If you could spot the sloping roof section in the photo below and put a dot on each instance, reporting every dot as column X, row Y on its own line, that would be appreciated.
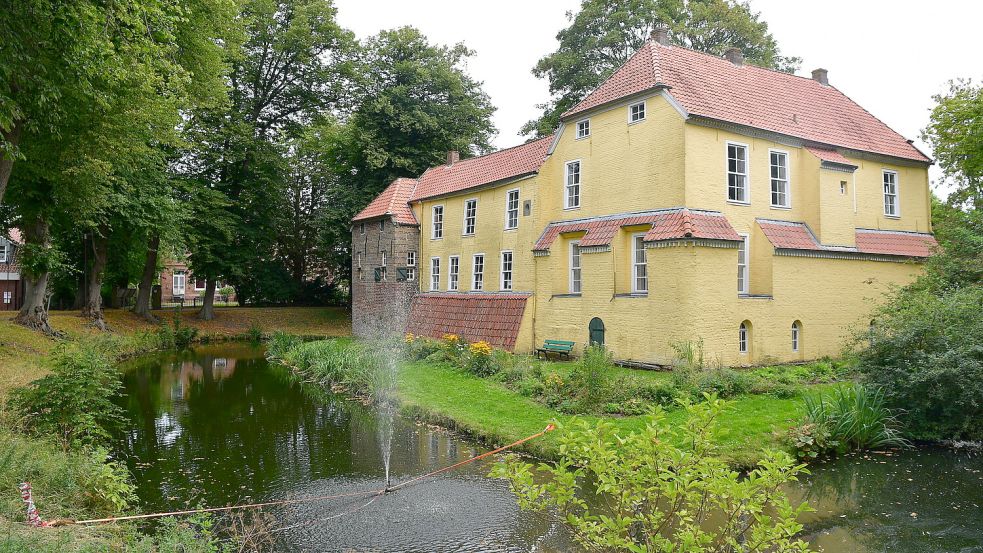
column 715, row 88
column 394, row 200
column 830, row 156
column 517, row 161
column 494, row 318
column 790, row 235
column 886, row 242
column 666, row 224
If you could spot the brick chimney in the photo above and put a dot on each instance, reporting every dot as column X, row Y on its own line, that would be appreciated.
column 819, row 75
column 735, row 56
column 453, row 156
column 660, row 34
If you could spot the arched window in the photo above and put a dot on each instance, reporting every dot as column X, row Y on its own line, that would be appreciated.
column 743, row 337
column 796, row 335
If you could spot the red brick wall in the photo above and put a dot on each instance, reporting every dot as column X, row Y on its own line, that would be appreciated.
column 382, row 307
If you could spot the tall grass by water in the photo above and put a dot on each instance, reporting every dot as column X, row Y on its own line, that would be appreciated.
column 852, row 417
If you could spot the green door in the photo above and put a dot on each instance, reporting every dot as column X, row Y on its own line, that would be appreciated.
column 596, row 329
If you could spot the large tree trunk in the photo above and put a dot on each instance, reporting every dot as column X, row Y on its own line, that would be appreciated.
column 6, row 160
column 146, row 287
column 92, row 309
column 34, row 313
column 207, row 312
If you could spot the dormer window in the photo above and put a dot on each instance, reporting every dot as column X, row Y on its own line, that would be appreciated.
column 583, row 129
column 636, row 112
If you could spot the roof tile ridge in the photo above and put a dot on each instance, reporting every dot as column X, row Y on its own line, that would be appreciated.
column 527, row 143
column 879, row 120
column 688, row 230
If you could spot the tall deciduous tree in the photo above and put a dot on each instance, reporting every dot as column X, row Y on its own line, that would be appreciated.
column 415, row 102
column 955, row 132
column 605, row 33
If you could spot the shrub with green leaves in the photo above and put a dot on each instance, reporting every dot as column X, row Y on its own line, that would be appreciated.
column 847, row 417
column 655, row 495
column 74, row 403
column 590, row 381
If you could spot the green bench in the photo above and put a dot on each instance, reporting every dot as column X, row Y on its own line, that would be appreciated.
column 559, row 347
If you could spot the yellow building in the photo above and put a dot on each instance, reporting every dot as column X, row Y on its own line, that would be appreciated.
column 688, row 198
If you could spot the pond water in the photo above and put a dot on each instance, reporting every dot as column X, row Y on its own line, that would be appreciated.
column 219, row 426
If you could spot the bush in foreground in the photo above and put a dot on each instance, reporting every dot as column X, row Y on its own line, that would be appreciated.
column 659, row 496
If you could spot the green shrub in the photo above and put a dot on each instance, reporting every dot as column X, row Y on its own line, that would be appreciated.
column 419, row 347
column 724, row 383
column 530, row 387
column 280, row 343
column 811, row 440
column 659, row 485
column 176, row 335
column 852, row 417
column 74, row 403
column 589, row 382
column 255, row 333
column 478, row 360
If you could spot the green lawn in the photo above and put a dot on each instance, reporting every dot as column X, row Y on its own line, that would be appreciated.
column 488, row 410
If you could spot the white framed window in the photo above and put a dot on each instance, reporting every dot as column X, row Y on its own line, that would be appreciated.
column 512, row 209
column 361, row 228
column 742, row 338
column 796, row 330
column 177, row 283
column 8, row 296
column 4, row 250
column 453, row 272
column 470, row 216
column 437, row 223
column 571, row 179
column 891, row 207
column 843, row 188
column 434, row 274
column 636, row 112
column 478, row 271
column 200, row 284
column 583, row 129
column 411, row 265
column 742, row 265
column 779, row 179
column 506, row 283
column 358, row 260
column 382, row 267
column 575, row 272
column 639, row 265
column 737, row 173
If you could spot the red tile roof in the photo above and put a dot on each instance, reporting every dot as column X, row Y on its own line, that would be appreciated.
column 797, row 236
column 668, row 224
column 831, row 156
column 494, row 318
column 715, row 88
column 15, row 236
column 789, row 235
column 394, row 200
column 504, row 164
column 886, row 242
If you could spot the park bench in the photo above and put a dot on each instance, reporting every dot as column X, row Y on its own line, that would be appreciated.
column 559, row 347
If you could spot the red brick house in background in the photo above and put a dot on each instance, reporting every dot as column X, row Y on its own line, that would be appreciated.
column 179, row 285
column 11, row 284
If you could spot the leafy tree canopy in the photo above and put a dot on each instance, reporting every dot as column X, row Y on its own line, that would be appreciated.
column 955, row 131
column 605, row 33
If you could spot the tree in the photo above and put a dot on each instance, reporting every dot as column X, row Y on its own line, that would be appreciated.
column 414, row 103
column 662, row 489
column 605, row 33
column 956, row 136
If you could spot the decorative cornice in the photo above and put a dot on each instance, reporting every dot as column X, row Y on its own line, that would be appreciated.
column 700, row 242
column 828, row 254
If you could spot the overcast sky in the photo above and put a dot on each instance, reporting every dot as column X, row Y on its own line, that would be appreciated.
column 889, row 56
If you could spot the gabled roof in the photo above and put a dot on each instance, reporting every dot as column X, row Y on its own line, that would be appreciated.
column 509, row 163
column 667, row 224
column 790, row 235
column 713, row 87
column 394, row 201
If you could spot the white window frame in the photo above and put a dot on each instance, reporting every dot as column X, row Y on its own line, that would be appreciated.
column 787, row 181
column 633, row 112
column 4, row 249
column 358, row 260
column 896, row 195
column 747, row 172
column 361, row 228
column 453, row 273
column 434, row 274
column 383, row 266
column 576, row 273
column 478, row 272
column 8, row 296
column 511, row 271
column 175, row 277
column 567, row 185
column 509, row 210
column 796, row 336
column 583, row 128
column 473, row 219
column 196, row 284
column 744, row 269
column 636, row 240
column 436, row 232
column 743, row 339
column 411, row 265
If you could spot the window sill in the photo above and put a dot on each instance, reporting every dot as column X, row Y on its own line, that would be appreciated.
column 513, row 229
column 630, row 123
column 582, row 137
column 755, row 296
column 574, row 208
column 432, row 239
column 782, row 207
column 895, row 217
column 633, row 295
column 471, row 235
column 565, row 296
column 735, row 202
